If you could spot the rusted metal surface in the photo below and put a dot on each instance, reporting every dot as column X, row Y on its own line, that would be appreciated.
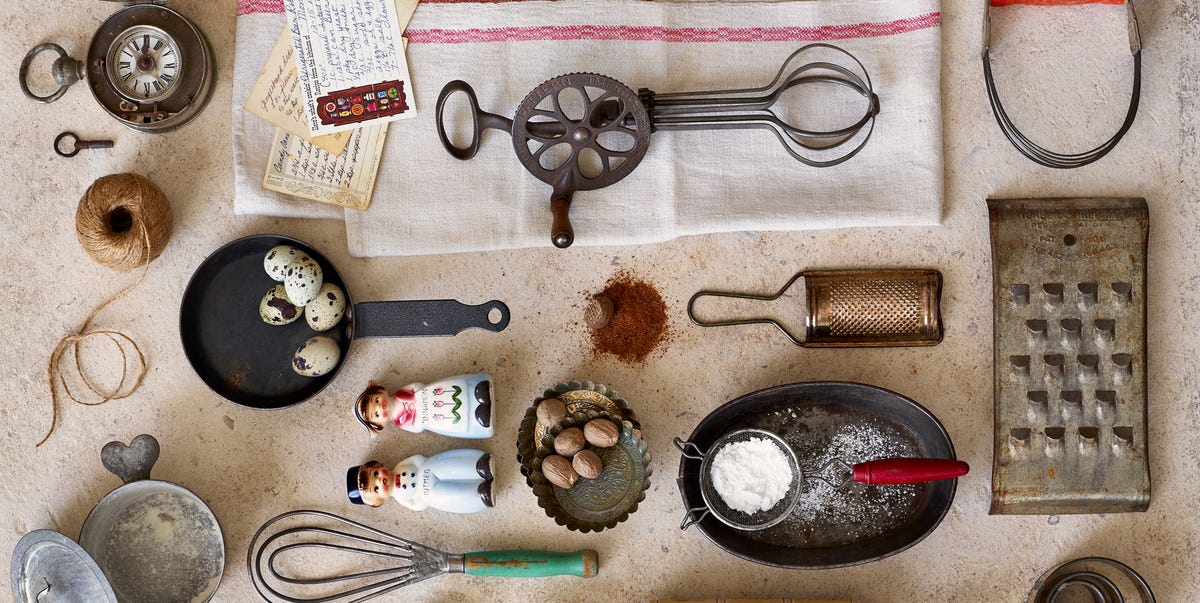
column 853, row 308
column 1069, row 294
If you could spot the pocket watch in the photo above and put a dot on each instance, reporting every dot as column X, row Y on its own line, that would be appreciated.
column 147, row 66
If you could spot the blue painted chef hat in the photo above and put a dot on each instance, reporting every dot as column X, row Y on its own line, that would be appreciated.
column 352, row 490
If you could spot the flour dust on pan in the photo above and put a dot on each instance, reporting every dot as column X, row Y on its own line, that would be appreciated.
column 156, row 545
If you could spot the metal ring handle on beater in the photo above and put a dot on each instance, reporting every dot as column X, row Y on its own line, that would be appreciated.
column 480, row 120
column 66, row 71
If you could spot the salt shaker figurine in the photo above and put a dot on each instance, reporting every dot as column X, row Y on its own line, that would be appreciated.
column 458, row 481
column 459, row 407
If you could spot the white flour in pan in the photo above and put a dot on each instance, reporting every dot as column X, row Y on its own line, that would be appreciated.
column 752, row 475
column 164, row 548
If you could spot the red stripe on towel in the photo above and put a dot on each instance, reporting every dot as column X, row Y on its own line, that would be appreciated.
column 671, row 34
column 252, row 7
column 643, row 33
column 1034, row 2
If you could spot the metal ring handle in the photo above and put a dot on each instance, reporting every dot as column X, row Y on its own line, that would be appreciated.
column 480, row 120
column 74, row 147
column 683, row 447
column 24, row 75
column 689, row 521
column 745, row 321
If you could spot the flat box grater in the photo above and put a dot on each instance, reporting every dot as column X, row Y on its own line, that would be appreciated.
column 1069, row 294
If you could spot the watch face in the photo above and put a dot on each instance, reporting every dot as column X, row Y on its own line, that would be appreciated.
column 144, row 64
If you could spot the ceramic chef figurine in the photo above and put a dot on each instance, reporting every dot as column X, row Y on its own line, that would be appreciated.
column 459, row 406
column 458, row 481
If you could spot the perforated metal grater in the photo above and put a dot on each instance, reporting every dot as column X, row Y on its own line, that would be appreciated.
column 1069, row 294
column 854, row 308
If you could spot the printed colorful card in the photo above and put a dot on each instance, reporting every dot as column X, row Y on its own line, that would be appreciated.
column 296, row 167
column 350, row 62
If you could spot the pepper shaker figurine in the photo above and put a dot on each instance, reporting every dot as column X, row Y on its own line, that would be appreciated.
column 459, row 407
column 458, row 481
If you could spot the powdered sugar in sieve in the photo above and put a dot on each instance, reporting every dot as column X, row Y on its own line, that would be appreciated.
column 829, row 516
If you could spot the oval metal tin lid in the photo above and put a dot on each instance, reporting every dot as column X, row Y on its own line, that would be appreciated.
column 50, row 563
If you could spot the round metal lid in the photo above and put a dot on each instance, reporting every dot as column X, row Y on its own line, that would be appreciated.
column 51, row 565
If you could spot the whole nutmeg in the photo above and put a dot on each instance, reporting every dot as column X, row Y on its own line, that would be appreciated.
column 598, row 313
column 587, row 464
column 559, row 472
column 550, row 411
column 601, row 433
column 569, row 441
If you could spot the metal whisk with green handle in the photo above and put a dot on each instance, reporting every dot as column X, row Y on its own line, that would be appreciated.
column 400, row 562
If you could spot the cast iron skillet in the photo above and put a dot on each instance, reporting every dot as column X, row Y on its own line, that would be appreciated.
column 248, row 361
column 753, row 410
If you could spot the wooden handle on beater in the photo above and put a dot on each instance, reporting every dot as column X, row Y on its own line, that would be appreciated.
column 532, row 563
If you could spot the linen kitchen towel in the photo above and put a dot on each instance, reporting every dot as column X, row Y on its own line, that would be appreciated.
column 427, row 202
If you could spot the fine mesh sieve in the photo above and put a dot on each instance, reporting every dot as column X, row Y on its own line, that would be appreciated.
column 715, row 504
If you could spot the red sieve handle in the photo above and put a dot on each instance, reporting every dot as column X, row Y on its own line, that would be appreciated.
column 908, row 471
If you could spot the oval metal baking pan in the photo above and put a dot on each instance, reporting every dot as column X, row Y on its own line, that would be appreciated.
column 860, row 526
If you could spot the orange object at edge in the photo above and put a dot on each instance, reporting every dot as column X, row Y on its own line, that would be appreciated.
column 1054, row 2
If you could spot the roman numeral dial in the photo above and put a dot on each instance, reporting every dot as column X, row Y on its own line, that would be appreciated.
column 144, row 64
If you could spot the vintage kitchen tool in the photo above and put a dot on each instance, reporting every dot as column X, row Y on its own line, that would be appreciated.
column 1091, row 580
column 854, row 308
column 1030, row 148
column 831, row 528
column 147, row 66
column 1069, row 294
column 593, row 505
column 153, row 541
column 76, row 144
column 583, row 131
column 835, row 472
column 246, row 361
column 352, row 570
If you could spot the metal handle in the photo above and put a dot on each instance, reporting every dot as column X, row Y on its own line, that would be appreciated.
column 688, row 521
column 66, row 71
column 908, row 470
column 426, row 318
column 683, row 447
column 131, row 463
column 480, row 120
column 744, row 321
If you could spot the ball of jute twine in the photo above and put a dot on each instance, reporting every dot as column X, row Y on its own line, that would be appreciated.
column 123, row 221
column 111, row 216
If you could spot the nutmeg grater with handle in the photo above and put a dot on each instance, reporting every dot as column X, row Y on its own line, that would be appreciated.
column 1069, row 294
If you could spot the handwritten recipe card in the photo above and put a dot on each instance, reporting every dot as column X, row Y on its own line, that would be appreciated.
column 350, row 62
column 299, row 168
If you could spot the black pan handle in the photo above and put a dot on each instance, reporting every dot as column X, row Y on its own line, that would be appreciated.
column 480, row 120
column 425, row 318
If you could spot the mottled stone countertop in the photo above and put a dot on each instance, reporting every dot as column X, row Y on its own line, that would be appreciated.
column 250, row 465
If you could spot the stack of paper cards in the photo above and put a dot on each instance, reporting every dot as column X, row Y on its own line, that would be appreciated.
column 329, row 102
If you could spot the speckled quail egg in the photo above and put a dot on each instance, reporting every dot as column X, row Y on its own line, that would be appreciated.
column 315, row 357
column 302, row 279
column 327, row 309
column 277, row 309
column 278, row 258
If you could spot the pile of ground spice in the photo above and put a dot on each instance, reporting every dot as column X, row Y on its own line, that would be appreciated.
column 638, row 323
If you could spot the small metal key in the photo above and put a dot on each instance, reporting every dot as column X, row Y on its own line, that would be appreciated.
column 78, row 145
